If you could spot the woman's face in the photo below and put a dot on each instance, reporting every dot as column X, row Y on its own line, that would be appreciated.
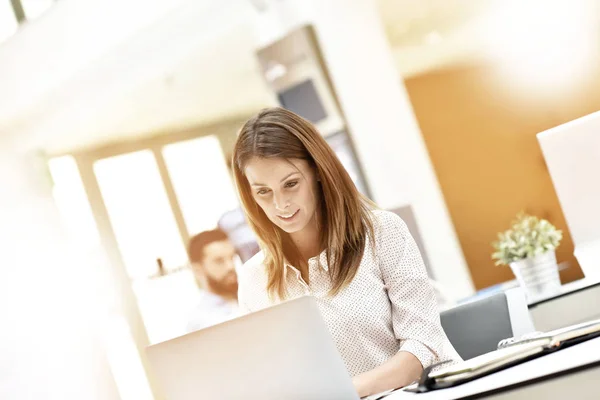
column 285, row 189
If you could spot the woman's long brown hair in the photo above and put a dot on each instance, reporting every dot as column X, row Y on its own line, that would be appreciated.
column 344, row 212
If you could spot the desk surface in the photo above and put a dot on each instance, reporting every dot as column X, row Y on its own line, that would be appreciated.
column 564, row 290
column 571, row 357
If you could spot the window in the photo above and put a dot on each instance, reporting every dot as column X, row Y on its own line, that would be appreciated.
column 140, row 213
column 201, row 181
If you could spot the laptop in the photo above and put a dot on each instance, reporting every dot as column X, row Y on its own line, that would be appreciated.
column 282, row 352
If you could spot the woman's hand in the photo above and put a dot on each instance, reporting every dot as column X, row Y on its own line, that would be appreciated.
column 360, row 385
column 400, row 370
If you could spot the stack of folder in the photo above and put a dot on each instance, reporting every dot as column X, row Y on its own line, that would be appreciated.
column 510, row 352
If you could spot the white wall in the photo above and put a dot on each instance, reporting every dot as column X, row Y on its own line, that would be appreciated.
column 68, row 38
column 50, row 312
column 90, row 71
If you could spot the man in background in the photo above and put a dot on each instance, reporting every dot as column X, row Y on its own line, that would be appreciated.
column 213, row 257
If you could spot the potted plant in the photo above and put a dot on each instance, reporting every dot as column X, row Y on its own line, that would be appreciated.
column 528, row 247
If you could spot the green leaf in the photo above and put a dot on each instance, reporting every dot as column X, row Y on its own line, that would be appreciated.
column 528, row 236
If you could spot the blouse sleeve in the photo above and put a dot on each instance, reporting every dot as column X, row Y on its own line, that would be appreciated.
column 251, row 284
column 415, row 315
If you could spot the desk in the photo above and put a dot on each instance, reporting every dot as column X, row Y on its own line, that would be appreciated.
column 571, row 372
column 575, row 303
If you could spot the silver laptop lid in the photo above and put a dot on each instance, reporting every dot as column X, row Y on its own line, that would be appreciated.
column 283, row 352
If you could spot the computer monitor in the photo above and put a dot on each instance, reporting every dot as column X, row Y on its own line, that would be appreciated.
column 572, row 154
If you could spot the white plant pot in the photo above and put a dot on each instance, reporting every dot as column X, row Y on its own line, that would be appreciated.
column 538, row 275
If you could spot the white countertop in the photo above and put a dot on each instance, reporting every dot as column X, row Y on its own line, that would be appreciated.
column 565, row 289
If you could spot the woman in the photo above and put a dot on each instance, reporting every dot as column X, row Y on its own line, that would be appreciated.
column 321, row 237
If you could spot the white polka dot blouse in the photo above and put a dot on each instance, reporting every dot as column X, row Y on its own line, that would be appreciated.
column 389, row 306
